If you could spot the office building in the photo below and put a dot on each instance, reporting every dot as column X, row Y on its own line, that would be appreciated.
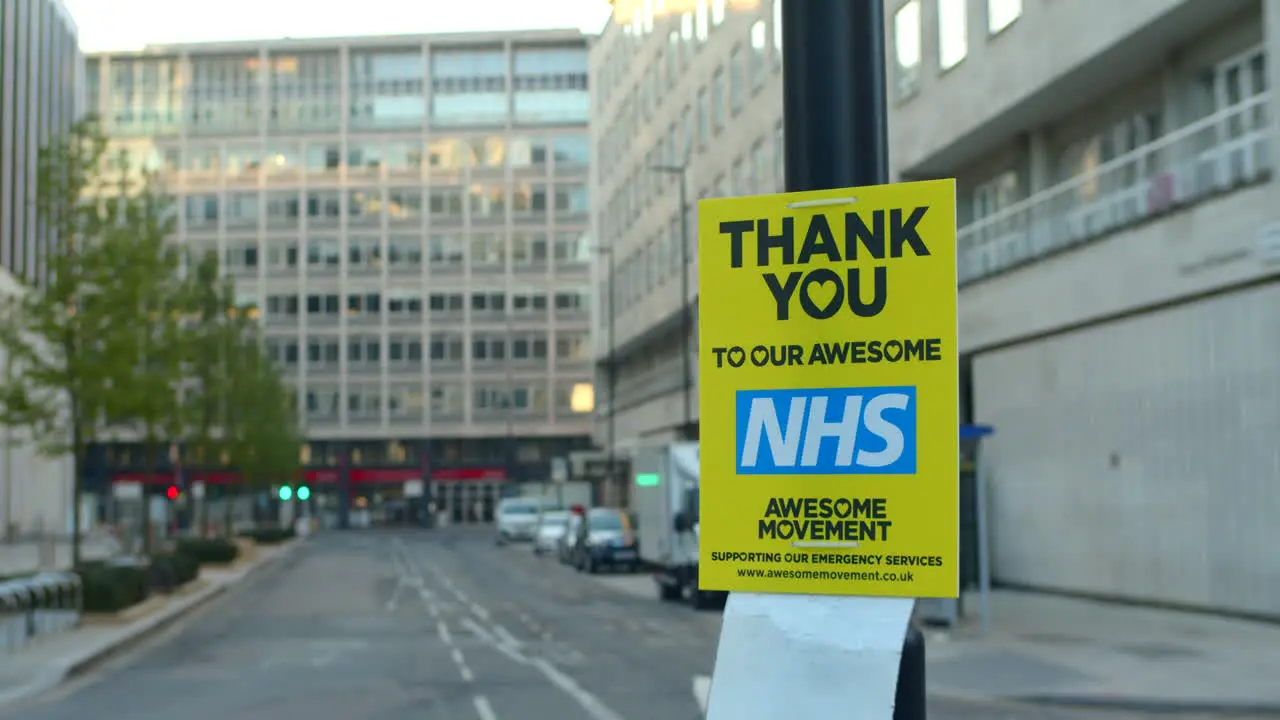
column 40, row 67
column 1117, row 254
column 694, row 94
column 410, row 217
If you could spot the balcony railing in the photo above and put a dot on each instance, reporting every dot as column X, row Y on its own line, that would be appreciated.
column 1218, row 153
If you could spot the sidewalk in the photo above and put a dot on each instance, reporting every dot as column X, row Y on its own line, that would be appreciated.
column 46, row 663
column 1050, row 649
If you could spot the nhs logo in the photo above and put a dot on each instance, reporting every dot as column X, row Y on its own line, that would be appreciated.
column 830, row 431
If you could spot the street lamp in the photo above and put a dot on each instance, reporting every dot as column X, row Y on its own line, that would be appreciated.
column 611, row 363
column 509, row 401
column 686, row 317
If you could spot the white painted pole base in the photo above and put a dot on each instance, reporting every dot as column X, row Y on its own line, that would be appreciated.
column 808, row 656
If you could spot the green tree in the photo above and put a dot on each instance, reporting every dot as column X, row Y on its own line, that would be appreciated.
column 56, row 336
column 146, row 291
column 259, row 423
column 210, row 300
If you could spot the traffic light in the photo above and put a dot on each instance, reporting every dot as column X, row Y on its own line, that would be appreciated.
column 286, row 492
column 304, row 492
column 172, row 492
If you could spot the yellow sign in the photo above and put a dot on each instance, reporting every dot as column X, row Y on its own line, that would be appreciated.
column 829, row 386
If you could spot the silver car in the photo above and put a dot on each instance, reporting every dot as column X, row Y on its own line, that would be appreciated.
column 551, row 527
column 517, row 519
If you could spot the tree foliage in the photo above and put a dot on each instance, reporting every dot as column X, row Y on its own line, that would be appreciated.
column 125, row 337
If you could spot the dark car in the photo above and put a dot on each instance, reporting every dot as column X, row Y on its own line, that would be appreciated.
column 606, row 540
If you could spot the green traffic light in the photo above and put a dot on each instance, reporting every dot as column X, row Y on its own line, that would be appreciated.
column 304, row 492
column 286, row 492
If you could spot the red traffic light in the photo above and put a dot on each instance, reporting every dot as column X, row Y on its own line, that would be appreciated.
column 577, row 510
column 172, row 492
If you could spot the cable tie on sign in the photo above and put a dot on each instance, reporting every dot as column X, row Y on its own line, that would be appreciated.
column 800, row 204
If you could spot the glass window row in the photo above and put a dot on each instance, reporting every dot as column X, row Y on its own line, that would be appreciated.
column 247, row 160
column 399, row 204
column 369, row 252
column 403, row 401
column 443, row 348
column 402, row 302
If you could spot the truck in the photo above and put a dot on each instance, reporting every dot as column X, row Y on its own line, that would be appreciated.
column 665, row 500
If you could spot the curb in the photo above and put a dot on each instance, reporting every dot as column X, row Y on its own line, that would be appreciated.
column 150, row 627
column 159, row 623
column 1155, row 706
column 1149, row 706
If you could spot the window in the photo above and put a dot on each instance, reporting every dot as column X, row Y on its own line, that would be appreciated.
column 701, row 21
column 704, row 117
column 446, row 400
column 777, row 32
column 953, row 32
column 906, row 49
column 488, row 348
column 736, row 90
column 572, row 346
column 530, row 303
column 571, row 200
column 530, row 348
column 717, row 100
column 404, row 253
column 445, row 303
column 759, row 41
column 446, row 348
column 364, row 351
column 446, row 203
column 1001, row 14
column 717, row 12
column 404, row 351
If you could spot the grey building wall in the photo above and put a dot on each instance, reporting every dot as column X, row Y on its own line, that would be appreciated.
column 39, row 80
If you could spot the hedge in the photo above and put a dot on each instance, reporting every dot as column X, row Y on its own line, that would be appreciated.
column 173, row 570
column 208, row 550
column 110, row 588
column 270, row 536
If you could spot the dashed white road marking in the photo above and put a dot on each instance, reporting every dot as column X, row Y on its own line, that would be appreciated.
column 443, row 629
column 596, row 709
column 505, row 636
column 483, row 708
column 479, row 611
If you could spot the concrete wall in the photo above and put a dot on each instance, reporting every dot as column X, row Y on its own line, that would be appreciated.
column 35, row 489
column 1138, row 458
column 1210, row 245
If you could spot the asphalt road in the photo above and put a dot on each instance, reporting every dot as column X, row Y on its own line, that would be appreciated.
column 411, row 625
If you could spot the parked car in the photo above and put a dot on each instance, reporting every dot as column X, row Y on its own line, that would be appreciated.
column 606, row 541
column 517, row 518
column 551, row 527
column 569, row 539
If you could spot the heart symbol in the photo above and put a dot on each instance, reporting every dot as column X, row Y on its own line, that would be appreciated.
column 822, row 293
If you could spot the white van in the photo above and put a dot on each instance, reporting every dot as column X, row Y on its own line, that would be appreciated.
column 517, row 519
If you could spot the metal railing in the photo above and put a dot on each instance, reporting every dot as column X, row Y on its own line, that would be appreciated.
column 37, row 606
column 1218, row 153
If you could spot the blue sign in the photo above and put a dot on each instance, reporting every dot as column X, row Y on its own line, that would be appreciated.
column 827, row 431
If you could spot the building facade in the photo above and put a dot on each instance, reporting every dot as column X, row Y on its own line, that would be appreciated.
column 410, row 217
column 40, row 68
column 688, row 98
column 1118, row 255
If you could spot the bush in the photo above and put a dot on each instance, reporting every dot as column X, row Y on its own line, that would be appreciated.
column 173, row 570
column 208, row 550
column 270, row 536
column 111, row 588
